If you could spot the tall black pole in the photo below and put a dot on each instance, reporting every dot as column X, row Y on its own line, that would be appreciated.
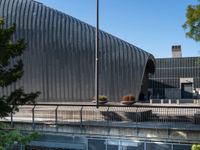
column 97, row 56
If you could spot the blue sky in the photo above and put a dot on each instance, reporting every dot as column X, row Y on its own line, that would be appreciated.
column 153, row 25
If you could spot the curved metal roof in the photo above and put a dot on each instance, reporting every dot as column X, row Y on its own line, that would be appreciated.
column 59, row 60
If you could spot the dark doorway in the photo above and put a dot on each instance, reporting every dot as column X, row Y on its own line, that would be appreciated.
column 186, row 91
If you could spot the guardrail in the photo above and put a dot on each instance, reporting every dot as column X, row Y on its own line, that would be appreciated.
column 144, row 116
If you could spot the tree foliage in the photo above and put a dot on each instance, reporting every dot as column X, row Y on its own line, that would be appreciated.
column 195, row 147
column 11, row 70
column 192, row 23
column 9, row 138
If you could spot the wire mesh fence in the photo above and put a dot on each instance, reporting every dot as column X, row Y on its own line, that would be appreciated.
column 108, row 115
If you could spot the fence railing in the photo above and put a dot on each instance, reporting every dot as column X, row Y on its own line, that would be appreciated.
column 147, row 116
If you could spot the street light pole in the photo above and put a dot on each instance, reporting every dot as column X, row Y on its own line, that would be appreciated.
column 97, row 56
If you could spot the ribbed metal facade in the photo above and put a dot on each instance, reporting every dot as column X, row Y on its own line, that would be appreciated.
column 169, row 72
column 59, row 60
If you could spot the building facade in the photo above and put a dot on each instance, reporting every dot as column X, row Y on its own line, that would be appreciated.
column 60, row 56
column 176, row 78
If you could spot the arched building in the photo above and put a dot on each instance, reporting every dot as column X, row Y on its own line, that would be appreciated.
column 60, row 56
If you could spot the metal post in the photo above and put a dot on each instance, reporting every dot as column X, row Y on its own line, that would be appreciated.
column 56, row 117
column 97, row 56
column 81, row 116
column 33, row 117
column 145, row 146
column 108, row 119
column 137, row 121
column 11, row 120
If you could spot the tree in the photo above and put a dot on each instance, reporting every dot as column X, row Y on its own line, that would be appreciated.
column 192, row 23
column 10, row 137
column 195, row 147
column 11, row 70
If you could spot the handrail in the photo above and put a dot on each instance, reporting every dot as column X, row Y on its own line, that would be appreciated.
column 116, row 105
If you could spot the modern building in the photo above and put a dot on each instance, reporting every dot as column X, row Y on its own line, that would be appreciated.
column 177, row 77
column 60, row 56
column 59, row 62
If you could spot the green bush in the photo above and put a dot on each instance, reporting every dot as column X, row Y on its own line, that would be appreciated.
column 196, row 147
column 101, row 98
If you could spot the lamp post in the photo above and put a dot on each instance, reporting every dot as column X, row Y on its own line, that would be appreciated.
column 97, row 56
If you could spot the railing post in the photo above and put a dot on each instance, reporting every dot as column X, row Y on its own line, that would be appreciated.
column 195, row 101
column 11, row 120
column 137, row 121
column 145, row 146
column 177, row 102
column 33, row 118
column 56, row 117
column 107, row 123
column 151, row 101
column 81, row 118
column 167, row 119
column 108, row 119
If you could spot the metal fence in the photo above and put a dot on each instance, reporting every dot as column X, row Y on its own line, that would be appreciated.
column 151, row 116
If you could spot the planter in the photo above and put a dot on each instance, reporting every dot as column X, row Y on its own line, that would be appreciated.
column 100, row 102
column 102, row 99
column 128, row 100
column 128, row 103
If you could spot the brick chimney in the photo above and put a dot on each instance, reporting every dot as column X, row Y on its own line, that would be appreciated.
column 176, row 51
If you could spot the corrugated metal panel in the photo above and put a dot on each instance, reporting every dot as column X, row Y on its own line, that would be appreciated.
column 170, row 70
column 59, row 60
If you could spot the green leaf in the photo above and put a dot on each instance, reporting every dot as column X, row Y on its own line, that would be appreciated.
column 11, row 51
column 192, row 23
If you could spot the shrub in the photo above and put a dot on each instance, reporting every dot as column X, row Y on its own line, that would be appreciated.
column 101, row 98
